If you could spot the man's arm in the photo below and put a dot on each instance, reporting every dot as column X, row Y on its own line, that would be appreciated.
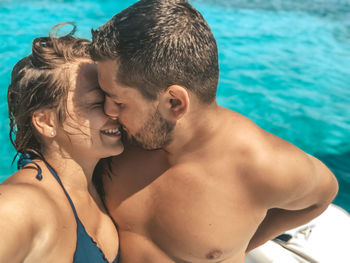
column 294, row 186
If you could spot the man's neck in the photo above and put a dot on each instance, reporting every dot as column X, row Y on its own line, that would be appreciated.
column 194, row 131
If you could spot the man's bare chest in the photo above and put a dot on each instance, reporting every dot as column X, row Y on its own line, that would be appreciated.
column 189, row 218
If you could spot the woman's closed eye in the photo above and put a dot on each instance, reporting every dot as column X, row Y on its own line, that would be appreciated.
column 99, row 103
column 96, row 98
column 93, row 102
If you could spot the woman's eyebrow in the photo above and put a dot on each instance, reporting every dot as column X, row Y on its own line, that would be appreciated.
column 113, row 96
column 92, row 92
column 94, row 88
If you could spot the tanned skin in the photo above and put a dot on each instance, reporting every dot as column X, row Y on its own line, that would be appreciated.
column 37, row 223
column 221, row 188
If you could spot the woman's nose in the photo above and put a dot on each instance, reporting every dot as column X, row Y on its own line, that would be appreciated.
column 111, row 109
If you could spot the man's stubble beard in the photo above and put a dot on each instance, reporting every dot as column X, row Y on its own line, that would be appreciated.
column 155, row 134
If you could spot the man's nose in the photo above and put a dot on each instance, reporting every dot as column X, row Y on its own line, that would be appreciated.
column 111, row 109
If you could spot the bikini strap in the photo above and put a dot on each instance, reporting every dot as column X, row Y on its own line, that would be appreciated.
column 25, row 159
column 53, row 172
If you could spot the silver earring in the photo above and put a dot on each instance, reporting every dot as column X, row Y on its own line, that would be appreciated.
column 52, row 133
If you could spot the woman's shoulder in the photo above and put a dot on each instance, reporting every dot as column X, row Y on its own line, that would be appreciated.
column 21, row 195
column 24, row 210
column 29, row 212
column 27, row 199
column 25, row 190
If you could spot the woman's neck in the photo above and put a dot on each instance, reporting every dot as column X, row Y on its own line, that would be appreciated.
column 75, row 174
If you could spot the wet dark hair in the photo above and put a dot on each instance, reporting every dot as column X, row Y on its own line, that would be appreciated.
column 158, row 43
column 41, row 80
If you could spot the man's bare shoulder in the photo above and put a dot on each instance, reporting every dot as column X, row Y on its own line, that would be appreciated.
column 254, row 144
column 245, row 137
column 272, row 168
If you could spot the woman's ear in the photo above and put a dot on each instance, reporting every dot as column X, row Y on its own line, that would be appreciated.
column 44, row 121
column 174, row 102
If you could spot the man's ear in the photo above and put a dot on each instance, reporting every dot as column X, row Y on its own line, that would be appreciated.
column 44, row 121
column 174, row 102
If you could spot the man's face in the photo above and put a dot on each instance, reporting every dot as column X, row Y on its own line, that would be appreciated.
column 142, row 123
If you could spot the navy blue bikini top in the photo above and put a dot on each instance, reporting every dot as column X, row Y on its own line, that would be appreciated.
column 86, row 250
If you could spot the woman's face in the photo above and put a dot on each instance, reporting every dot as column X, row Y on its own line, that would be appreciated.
column 87, row 131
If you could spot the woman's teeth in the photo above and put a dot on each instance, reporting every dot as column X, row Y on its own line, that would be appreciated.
column 115, row 131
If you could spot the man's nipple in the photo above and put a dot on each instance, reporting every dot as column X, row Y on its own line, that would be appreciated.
column 214, row 254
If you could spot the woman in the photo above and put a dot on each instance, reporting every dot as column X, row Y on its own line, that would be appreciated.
column 50, row 210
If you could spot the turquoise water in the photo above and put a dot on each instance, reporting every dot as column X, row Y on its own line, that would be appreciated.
column 284, row 64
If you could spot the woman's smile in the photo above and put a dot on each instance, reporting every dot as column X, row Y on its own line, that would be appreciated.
column 112, row 132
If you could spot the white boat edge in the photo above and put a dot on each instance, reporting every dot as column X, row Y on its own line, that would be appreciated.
column 324, row 239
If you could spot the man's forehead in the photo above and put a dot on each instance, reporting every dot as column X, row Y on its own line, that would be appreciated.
column 115, row 90
column 107, row 77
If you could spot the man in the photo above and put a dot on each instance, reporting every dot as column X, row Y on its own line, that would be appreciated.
column 220, row 186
